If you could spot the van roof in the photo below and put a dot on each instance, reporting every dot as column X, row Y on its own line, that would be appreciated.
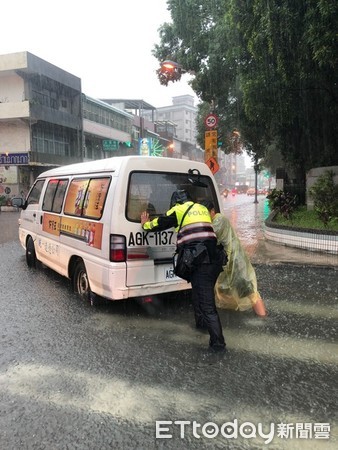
column 133, row 162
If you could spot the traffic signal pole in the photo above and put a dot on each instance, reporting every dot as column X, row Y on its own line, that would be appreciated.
column 210, row 142
column 256, row 169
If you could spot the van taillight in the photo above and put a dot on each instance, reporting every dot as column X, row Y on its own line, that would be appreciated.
column 118, row 249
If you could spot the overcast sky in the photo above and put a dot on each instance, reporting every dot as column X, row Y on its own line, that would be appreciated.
column 106, row 43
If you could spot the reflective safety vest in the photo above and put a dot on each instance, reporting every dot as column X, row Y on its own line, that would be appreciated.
column 196, row 225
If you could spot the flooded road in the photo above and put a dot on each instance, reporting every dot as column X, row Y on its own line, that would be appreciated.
column 248, row 218
column 121, row 375
column 9, row 226
column 245, row 216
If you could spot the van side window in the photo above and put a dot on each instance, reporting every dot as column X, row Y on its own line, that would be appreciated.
column 35, row 193
column 86, row 197
column 59, row 196
column 54, row 195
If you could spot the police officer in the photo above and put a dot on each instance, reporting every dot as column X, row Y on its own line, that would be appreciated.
column 196, row 232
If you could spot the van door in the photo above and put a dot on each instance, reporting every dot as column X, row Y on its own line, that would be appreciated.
column 31, row 215
column 49, row 242
column 149, row 254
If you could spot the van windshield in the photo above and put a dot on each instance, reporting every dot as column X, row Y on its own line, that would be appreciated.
column 152, row 191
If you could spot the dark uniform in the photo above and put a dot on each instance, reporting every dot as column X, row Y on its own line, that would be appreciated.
column 196, row 232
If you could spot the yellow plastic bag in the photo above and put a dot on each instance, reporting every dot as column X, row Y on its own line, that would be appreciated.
column 236, row 286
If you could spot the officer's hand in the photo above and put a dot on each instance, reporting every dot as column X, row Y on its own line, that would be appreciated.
column 144, row 217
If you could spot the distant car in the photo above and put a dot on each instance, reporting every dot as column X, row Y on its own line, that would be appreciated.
column 241, row 188
column 251, row 191
column 225, row 193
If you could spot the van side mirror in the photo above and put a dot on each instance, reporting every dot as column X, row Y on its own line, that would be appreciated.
column 19, row 202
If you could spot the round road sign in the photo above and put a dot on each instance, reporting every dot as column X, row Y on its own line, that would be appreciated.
column 211, row 120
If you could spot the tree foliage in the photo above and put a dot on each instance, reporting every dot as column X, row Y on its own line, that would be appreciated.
column 267, row 68
column 325, row 196
column 284, row 203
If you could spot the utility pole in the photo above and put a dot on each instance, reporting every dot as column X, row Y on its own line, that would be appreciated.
column 256, row 169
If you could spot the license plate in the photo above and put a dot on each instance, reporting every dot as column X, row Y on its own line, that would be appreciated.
column 169, row 274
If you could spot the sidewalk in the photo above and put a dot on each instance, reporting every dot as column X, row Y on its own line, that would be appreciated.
column 248, row 220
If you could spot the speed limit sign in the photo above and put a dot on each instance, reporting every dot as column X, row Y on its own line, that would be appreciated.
column 211, row 121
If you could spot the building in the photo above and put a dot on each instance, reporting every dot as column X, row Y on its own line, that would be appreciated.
column 180, row 120
column 182, row 113
column 40, row 119
column 108, row 131
column 173, row 127
column 46, row 121
column 143, row 128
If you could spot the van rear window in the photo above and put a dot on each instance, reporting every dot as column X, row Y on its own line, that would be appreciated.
column 86, row 197
column 152, row 191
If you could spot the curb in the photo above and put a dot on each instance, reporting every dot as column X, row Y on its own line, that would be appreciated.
column 309, row 239
column 8, row 209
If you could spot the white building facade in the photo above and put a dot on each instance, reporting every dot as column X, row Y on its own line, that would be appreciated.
column 183, row 113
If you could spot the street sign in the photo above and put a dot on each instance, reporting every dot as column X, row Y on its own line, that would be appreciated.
column 110, row 145
column 211, row 121
column 210, row 153
column 210, row 138
column 213, row 165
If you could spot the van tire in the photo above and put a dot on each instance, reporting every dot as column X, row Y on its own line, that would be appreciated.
column 81, row 282
column 30, row 254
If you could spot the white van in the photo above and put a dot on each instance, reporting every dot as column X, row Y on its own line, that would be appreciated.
column 83, row 221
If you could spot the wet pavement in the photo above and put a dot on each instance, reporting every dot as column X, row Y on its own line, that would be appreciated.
column 9, row 226
column 248, row 218
column 74, row 376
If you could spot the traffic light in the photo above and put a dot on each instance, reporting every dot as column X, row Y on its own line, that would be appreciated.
column 169, row 71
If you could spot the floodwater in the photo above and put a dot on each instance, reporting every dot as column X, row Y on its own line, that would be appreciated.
column 248, row 218
column 245, row 216
column 79, row 376
column 9, row 226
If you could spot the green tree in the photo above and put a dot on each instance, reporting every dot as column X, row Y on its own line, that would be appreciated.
column 266, row 68
column 325, row 196
column 297, row 88
column 272, row 159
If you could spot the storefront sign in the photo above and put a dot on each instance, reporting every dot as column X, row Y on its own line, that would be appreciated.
column 110, row 145
column 14, row 159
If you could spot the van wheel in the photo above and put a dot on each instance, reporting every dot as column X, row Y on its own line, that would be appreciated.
column 30, row 254
column 81, row 282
